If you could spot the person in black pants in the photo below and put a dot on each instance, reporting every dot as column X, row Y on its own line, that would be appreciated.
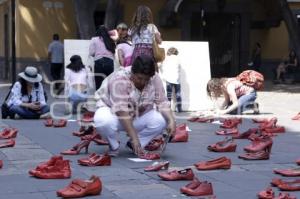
column 102, row 49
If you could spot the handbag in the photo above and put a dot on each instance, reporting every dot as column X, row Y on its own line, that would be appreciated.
column 158, row 52
column 4, row 106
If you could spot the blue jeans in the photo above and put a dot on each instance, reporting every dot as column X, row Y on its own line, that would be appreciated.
column 28, row 113
column 244, row 100
column 103, row 67
column 76, row 97
column 177, row 88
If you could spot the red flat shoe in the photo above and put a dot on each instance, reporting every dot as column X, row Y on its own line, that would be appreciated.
column 260, row 155
column 219, row 163
column 266, row 194
column 8, row 143
column 9, row 133
column 285, row 196
column 156, row 166
column 81, row 188
column 203, row 189
column 49, row 163
column 233, row 131
column 75, row 150
column 181, row 134
column 149, row 156
column 192, row 185
column 293, row 172
column 296, row 117
column 60, row 123
column 185, row 174
column 60, row 170
column 278, row 129
column 226, row 145
column 95, row 160
column 246, row 134
column 289, row 186
column 48, row 122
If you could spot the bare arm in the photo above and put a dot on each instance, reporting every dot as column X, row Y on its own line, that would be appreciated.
column 158, row 38
column 121, row 57
column 167, row 114
column 232, row 96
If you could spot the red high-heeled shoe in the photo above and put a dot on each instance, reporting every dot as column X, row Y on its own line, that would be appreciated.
column 80, row 132
column 181, row 134
column 156, row 166
column 9, row 133
column 48, row 122
column 246, row 134
column 270, row 124
column 60, row 123
column 260, row 145
column 8, row 143
column 75, row 150
column 227, row 145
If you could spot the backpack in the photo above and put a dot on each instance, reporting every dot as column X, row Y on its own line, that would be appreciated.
column 252, row 78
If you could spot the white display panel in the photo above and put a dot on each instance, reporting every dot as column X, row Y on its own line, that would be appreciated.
column 195, row 63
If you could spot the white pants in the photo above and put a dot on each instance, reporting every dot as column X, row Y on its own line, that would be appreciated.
column 147, row 126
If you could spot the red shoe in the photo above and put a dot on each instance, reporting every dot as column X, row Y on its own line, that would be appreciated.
column 294, row 172
column 181, row 134
column 226, row 145
column 95, row 137
column 297, row 117
column 233, row 131
column 270, row 124
column 290, row 186
column 204, row 189
column 88, row 117
column 278, row 129
column 258, row 120
column 49, row 163
column 154, row 145
column 231, row 123
column 156, row 166
column 260, row 145
column 60, row 170
column 260, row 155
column 204, row 120
column 219, row 163
column 185, row 174
column 285, row 196
column 149, row 156
column 95, row 160
column 8, row 143
column 60, row 123
column 246, row 134
column 9, row 133
column 75, row 150
column 81, row 188
column 48, row 122
column 1, row 164
column 266, row 194
column 192, row 185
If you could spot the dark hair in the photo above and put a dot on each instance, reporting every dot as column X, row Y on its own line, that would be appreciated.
column 76, row 63
column 55, row 36
column 23, row 83
column 108, row 42
column 124, row 40
column 141, row 18
column 172, row 51
column 143, row 64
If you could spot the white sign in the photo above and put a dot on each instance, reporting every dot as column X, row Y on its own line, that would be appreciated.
column 195, row 63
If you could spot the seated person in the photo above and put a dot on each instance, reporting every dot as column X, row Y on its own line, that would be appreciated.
column 133, row 100
column 237, row 95
column 76, row 82
column 287, row 66
column 27, row 96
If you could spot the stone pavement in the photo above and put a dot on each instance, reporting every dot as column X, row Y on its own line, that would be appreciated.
column 126, row 179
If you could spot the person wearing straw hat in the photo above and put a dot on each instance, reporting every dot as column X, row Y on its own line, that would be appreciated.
column 27, row 96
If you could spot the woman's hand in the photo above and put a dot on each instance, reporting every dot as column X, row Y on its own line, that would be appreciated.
column 171, row 128
column 137, row 148
column 34, row 106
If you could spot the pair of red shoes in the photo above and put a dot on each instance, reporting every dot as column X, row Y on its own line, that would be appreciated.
column 55, row 168
column 231, row 123
column 197, row 188
column 8, row 143
column 55, row 123
column 184, row 174
column 259, row 149
column 293, row 185
column 181, row 134
column 296, row 117
column 81, row 188
column 269, row 194
column 218, row 163
column 227, row 145
column 8, row 133
column 95, row 160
